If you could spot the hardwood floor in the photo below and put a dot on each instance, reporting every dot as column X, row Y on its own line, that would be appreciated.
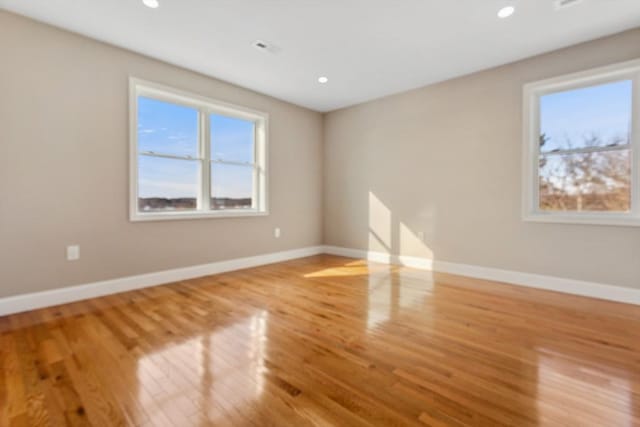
column 324, row 341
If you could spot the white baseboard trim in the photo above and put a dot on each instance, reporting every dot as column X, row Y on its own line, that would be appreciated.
column 551, row 283
column 31, row 301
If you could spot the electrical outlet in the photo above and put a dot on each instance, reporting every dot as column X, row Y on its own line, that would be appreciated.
column 73, row 253
column 276, row 233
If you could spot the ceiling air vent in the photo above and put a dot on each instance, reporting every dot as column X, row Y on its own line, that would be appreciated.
column 266, row 47
column 563, row 4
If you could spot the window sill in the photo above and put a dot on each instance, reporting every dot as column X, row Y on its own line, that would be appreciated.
column 172, row 216
column 610, row 220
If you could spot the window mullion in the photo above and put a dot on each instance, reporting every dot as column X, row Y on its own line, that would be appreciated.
column 166, row 156
column 205, row 168
column 635, row 147
column 255, row 196
column 231, row 162
column 586, row 150
column 534, row 161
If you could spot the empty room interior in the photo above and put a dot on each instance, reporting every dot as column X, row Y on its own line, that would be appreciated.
column 320, row 213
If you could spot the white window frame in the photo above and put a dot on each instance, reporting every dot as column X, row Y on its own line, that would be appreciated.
column 531, row 149
column 205, row 107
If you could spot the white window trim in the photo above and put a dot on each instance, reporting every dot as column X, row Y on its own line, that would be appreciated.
column 138, row 87
column 531, row 135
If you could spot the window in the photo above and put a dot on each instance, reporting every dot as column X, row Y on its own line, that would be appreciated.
column 193, row 157
column 582, row 147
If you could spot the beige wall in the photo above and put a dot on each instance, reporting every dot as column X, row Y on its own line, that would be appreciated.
column 445, row 160
column 64, row 163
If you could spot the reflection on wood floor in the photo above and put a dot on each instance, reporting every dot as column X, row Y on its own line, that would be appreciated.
column 324, row 341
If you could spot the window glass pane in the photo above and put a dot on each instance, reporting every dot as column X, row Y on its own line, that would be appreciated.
column 231, row 186
column 231, row 139
column 596, row 182
column 595, row 116
column 167, row 128
column 167, row 184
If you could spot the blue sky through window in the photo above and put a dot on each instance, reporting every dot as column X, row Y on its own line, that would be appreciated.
column 231, row 181
column 166, row 128
column 231, row 139
column 603, row 111
column 167, row 178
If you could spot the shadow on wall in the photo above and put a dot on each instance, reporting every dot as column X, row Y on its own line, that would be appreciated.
column 390, row 235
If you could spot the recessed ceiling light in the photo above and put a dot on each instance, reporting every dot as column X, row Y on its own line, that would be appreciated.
column 323, row 79
column 506, row 12
column 153, row 4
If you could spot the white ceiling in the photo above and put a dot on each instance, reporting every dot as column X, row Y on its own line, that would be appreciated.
column 367, row 48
